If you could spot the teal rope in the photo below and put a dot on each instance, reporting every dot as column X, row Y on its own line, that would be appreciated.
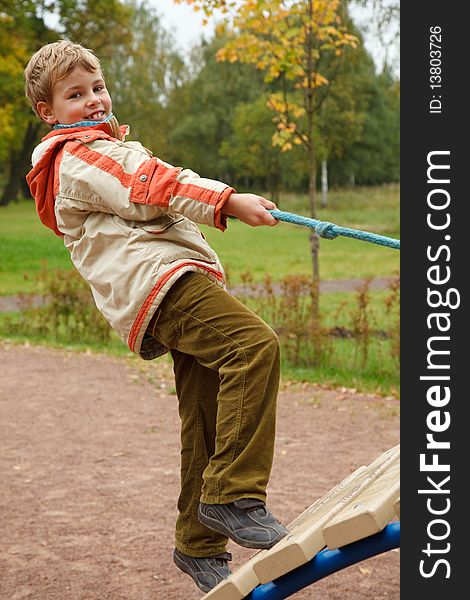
column 330, row 231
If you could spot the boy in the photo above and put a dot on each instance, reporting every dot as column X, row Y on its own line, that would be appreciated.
column 128, row 220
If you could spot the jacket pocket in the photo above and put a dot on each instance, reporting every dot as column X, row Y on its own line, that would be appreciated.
column 158, row 226
column 190, row 255
column 173, row 238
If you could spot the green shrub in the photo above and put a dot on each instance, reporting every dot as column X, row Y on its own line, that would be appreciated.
column 357, row 339
column 358, row 335
column 67, row 312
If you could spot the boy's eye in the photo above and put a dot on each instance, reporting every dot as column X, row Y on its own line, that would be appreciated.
column 99, row 88
column 76, row 95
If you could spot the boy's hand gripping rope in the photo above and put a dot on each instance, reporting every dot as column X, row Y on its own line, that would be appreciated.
column 331, row 231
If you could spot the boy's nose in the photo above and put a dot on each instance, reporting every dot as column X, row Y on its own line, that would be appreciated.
column 93, row 99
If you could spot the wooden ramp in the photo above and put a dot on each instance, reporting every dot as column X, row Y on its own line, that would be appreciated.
column 361, row 505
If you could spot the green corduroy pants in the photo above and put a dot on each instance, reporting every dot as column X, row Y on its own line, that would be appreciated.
column 226, row 365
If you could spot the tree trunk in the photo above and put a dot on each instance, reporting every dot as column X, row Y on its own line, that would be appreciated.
column 314, row 239
column 12, row 186
column 312, row 167
column 273, row 186
column 324, row 183
column 19, row 165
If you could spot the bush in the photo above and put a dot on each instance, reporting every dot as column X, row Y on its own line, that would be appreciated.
column 306, row 342
column 357, row 339
column 67, row 313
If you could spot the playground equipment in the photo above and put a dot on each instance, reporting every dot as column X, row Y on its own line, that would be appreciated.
column 353, row 520
column 359, row 508
column 327, row 562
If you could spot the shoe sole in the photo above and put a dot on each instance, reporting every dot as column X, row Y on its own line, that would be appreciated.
column 221, row 528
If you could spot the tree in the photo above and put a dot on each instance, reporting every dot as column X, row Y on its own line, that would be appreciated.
column 200, row 111
column 101, row 26
column 141, row 78
column 250, row 151
column 22, row 29
column 375, row 157
column 289, row 41
column 13, row 53
column 380, row 21
column 343, row 114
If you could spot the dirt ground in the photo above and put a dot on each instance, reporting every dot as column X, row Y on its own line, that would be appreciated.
column 89, row 475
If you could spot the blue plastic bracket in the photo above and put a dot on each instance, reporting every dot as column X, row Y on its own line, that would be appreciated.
column 327, row 562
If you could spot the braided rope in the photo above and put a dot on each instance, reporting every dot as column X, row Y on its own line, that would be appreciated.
column 330, row 231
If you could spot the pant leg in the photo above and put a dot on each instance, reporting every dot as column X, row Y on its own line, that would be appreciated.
column 201, row 320
column 197, row 389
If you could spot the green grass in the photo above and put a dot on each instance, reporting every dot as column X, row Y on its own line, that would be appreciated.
column 343, row 367
column 282, row 250
column 115, row 346
column 336, row 308
column 379, row 377
column 26, row 245
column 371, row 208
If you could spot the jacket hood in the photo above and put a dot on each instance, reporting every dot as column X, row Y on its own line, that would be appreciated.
column 43, row 179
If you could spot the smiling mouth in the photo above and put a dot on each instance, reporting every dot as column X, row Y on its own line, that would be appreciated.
column 96, row 116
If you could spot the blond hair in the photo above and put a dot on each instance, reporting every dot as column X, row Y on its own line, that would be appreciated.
column 50, row 64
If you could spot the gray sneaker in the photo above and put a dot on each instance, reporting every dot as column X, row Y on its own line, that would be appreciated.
column 247, row 522
column 206, row 571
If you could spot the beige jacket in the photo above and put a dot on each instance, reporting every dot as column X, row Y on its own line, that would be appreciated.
column 128, row 220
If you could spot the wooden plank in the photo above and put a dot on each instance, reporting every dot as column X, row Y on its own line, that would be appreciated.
column 396, row 506
column 370, row 512
column 240, row 583
column 305, row 539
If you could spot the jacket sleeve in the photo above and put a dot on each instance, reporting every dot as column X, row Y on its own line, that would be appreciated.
column 122, row 179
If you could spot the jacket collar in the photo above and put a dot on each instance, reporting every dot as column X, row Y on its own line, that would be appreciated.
column 43, row 178
column 110, row 127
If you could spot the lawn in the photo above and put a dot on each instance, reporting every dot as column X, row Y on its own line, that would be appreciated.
column 25, row 244
column 366, row 362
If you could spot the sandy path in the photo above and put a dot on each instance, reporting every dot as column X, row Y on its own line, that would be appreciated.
column 89, row 462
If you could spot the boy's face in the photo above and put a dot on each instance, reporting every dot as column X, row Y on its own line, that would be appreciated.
column 81, row 96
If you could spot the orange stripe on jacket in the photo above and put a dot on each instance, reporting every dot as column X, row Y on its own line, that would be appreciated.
column 195, row 192
column 151, row 297
column 154, row 183
column 44, row 184
column 100, row 161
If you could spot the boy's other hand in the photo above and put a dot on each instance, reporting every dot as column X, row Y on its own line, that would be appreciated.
column 251, row 209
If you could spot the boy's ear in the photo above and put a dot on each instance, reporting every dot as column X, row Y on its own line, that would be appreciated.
column 46, row 113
